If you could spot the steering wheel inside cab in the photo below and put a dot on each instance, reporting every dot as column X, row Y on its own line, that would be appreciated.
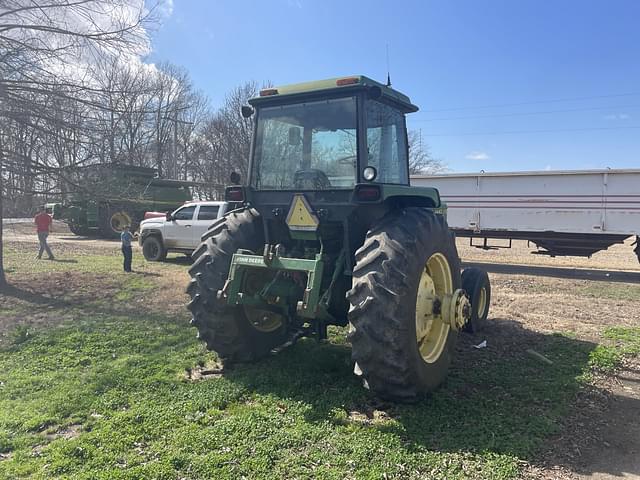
column 311, row 179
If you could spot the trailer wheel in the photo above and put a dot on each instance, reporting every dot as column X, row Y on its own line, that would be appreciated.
column 153, row 249
column 402, row 342
column 235, row 333
column 476, row 283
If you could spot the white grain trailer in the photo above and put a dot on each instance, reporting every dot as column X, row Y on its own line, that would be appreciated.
column 577, row 212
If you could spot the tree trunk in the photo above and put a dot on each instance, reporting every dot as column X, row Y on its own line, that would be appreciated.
column 3, row 279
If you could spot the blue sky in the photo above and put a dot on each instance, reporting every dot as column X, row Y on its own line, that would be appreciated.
column 485, row 73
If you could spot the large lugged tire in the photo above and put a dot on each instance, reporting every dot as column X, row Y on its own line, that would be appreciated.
column 476, row 283
column 112, row 220
column 227, row 329
column 408, row 259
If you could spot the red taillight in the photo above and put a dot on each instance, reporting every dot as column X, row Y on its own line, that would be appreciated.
column 234, row 194
column 347, row 81
column 265, row 92
column 367, row 193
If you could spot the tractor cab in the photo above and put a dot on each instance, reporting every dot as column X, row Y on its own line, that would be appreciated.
column 323, row 136
column 331, row 146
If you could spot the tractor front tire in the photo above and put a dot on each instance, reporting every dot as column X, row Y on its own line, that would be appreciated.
column 227, row 329
column 476, row 283
column 401, row 346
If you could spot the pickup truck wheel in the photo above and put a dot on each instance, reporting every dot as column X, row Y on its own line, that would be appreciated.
column 153, row 250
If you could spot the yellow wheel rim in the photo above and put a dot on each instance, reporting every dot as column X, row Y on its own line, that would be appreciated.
column 432, row 330
column 119, row 220
column 482, row 302
column 263, row 320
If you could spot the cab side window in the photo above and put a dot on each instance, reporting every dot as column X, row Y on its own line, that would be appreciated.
column 386, row 143
column 208, row 212
column 185, row 213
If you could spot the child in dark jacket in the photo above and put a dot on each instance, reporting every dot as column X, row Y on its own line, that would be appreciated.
column 125, row 238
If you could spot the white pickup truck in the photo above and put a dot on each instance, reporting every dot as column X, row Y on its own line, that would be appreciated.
column 179, row 231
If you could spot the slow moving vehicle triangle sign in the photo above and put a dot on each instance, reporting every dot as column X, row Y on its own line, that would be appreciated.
column 301, row 216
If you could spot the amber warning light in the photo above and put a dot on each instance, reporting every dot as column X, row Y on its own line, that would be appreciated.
column 341, row 82
column 265, row 92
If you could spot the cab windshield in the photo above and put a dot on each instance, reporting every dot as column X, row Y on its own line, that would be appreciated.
column 306, row 146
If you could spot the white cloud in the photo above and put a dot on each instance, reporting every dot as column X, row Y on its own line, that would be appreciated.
column 617, row 116
column 77, row 57
column 165, row 8
column 475, row 155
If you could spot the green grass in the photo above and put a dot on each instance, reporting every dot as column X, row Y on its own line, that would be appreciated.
column 623, row 341
column 118, row 372
column 584, row 288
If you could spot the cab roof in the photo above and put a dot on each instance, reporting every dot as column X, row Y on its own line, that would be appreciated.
column 332, row 86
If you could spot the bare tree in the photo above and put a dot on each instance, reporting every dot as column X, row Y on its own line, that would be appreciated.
column 45, row 49
column 420, row 159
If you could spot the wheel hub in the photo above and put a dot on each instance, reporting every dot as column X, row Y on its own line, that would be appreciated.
column 456, row 309
column 433, row 305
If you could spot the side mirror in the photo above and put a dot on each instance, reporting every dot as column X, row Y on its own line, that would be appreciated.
column 295, row 138
column 247, row 111
column 235, row 178
column 169, row 217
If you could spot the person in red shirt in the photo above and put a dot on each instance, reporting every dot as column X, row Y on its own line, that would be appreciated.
column 43, row 226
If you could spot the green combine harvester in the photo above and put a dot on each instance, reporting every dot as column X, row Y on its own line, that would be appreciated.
column 327, row 231
column 110, row 196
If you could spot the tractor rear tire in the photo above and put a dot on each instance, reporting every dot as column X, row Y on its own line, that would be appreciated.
column 406, row 251
column 226, row 329
column 476, row 283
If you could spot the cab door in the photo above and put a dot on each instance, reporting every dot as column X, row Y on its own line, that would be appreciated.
column 178, row 231
column 205, row 216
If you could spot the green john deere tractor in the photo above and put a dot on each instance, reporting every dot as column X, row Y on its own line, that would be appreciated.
column 327, row 231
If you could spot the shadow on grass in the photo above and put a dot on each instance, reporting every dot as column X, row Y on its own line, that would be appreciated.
column 65, row 260
column 498, row 399
column 145, row 274
column 31, row 297
column 82, row 238
column 180, row 260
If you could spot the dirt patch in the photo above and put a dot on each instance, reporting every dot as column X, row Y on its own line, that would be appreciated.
column 40, row 302
column 617, row 257
column 556, row 305
column 601, row 437
column 69, row 432
column 171, row 294
column 204, row 372
column 62, row 241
